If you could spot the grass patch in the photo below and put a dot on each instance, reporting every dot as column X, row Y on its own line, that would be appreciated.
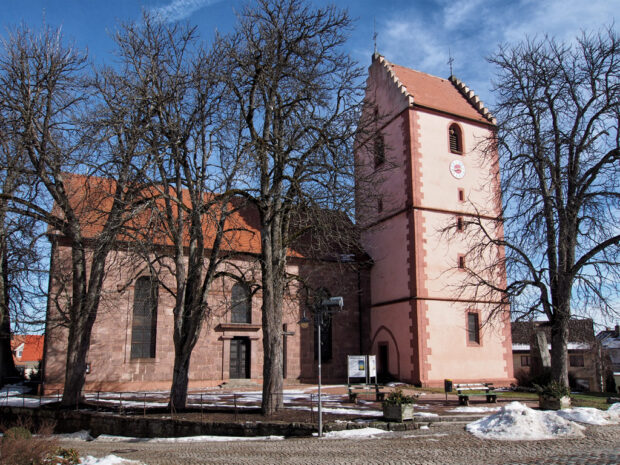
column 586, row 399
column 591, row 399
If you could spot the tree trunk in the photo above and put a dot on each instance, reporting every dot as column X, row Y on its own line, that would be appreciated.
column 273, row 274
column 559, row 357
column 180, row 378
column 7, row 365
column 75, row 370
column 86, row 296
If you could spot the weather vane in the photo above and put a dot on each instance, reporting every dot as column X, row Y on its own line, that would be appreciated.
column 450, row 60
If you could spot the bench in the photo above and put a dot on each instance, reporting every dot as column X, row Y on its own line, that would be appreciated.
column 356, row 389
column 465, row 391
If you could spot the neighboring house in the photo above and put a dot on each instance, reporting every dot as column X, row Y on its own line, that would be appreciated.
column 583, row 354
column 27, row 353
column 402, row 309
column 610, row 347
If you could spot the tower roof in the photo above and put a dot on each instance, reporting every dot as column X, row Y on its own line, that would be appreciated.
column 447, row 95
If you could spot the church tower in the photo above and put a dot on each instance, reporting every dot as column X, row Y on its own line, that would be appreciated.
column 423, row 177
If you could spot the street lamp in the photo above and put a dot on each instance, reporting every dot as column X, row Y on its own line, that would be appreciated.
column 322, row 312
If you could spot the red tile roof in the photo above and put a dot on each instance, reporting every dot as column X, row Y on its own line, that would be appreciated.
column 447, row 95
column 91, row 198
column 33, row 347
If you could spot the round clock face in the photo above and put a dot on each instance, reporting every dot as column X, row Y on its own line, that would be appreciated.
column 457, row 169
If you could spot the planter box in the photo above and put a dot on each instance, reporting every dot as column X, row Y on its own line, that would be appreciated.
column 398, row 413
column 553, row 403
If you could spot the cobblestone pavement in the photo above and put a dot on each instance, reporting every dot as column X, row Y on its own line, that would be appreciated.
column 445, row 444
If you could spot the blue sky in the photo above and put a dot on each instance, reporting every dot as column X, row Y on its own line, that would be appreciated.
column 414, row 33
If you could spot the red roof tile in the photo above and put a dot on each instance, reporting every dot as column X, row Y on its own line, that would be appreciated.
column 438, row 93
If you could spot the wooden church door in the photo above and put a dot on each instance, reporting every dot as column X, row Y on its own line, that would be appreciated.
column 239, row 358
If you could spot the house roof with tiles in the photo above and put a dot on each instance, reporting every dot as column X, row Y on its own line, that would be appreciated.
column 445, row 95
column 32, row 347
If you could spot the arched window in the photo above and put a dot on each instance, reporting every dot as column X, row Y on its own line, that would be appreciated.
column 241, row 304
column 456, row 139
column 144, row 325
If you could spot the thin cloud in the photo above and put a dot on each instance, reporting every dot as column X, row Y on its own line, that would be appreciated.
column 180, row 9
column 472, row 30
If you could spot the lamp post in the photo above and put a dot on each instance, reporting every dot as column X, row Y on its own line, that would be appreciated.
column 324, row 309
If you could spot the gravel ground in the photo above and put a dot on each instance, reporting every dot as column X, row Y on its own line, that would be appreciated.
column 443, row 444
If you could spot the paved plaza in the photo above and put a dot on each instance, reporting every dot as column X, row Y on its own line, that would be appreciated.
column 442, row 444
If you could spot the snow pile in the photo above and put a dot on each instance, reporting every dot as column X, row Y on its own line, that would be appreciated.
column 355, row 433
column 517, row 422
column 108, row 460
column 592, row 416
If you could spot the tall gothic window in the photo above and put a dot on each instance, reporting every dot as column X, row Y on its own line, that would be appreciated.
column 456, row 139
column 379, row 150
column 144, row 325
column 473, row 328
column 241, row 304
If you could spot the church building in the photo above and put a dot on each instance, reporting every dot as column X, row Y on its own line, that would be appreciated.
column 429, row 176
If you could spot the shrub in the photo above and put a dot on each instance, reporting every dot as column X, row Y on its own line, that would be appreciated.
column 19, row 447
column 553, row 389
column 396, row 397
column 17, row 432
column 26, row 451
column 62, row 456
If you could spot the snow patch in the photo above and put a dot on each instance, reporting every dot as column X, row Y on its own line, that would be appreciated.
column 517, row 422
column 107, row 460
column 82, row 435
column 355, row 433
column 110, row 438
column 474, row 409
column 591, row 416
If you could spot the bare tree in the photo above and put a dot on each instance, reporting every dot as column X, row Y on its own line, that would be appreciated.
column 44, row 88
column 23, row 276
column 558, row 107
column 194, row 164
column 10, row 181
column 296, row 95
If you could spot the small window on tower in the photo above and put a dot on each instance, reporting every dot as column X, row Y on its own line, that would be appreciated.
column 379, row 150
column 461, row 195
column 459, row 223
column 461, row 262
column 456, row 139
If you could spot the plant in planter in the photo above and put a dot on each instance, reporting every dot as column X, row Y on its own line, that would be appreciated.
column 398, row 406
column 553, row 396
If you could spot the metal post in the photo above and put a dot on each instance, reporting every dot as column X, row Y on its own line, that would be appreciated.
column 320, row 321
